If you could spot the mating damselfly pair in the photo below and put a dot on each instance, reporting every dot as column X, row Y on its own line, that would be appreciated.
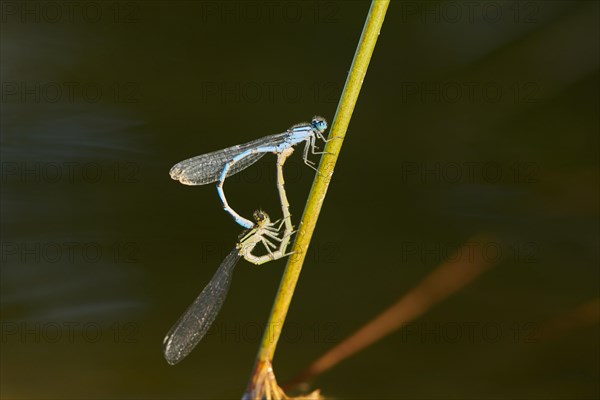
column 215, row 167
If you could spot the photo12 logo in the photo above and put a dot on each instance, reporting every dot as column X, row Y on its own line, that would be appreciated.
column 70, row 332
column 469, row 172
column 469, row 12
column 490, row 251
column 69, row 172
column 253, row 331
column 268, row 92
column 268, row 12
column 24, row 92
column 71, row 12
column 470, row 332
column 469, row 92
column 72, row 252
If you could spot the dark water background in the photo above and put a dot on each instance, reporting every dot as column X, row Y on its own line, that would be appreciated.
column 472, row 119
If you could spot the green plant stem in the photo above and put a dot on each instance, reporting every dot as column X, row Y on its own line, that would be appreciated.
column 319, row 188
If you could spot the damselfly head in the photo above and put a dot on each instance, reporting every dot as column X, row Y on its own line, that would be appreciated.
column 261, row 217
column 319, row 123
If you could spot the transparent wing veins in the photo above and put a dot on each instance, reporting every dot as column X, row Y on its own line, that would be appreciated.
column 198, row 318
column 207, row 168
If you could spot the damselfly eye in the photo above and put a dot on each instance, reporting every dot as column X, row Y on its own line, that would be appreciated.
column 319, row 123
column 260, row 216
